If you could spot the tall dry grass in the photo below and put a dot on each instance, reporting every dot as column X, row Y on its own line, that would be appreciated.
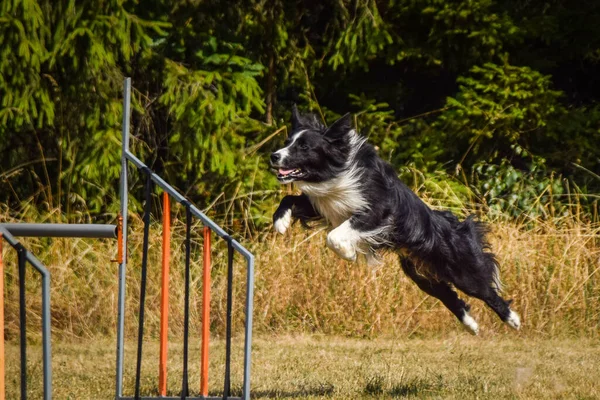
column 550, row 268
column 551, row 272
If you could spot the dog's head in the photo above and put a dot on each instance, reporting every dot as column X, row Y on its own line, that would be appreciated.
column 313, row 152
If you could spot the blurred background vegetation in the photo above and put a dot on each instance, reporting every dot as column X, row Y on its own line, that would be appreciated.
column 499, row 98
column 482, row 106
column 500, row 95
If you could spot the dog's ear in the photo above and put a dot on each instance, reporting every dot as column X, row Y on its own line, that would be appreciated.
column 340, row 127
column 296, row 119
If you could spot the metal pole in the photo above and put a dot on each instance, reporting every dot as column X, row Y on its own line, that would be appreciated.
column 46, row 317
column 2, row 385
column 46, row 321
column 186, row 302
column 237, row 246
column 123, row 264
column 97, row 231
column 22, row 322
column 248, row 335
column 160, row 182
column 227, row 384
column 143, row 280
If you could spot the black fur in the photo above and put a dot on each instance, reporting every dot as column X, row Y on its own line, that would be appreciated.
column 436, row 250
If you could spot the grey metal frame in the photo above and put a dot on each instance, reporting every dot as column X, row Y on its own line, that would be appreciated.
column 9, row 231
column 128, row 156
column 123, row 195
column 46, row 342
column 97, row 231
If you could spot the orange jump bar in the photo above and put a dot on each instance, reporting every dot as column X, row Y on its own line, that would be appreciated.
column 205, row 313
column 164, row 296
column 164, row 303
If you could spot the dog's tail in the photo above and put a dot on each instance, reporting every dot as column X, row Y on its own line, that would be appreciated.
column 471, row 248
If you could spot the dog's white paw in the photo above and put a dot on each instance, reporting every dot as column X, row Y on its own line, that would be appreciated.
column 342, row 246
column 513, row 320
column 282, row 224
column 470, row 323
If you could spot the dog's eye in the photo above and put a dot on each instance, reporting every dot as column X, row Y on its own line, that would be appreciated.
column 303, row 147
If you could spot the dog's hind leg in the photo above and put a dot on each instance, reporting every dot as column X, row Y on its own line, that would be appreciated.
column 475, row 271
column 443, row 292
column 490, row 296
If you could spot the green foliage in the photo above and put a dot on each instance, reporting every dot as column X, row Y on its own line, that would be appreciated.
column 428, row 32
column 61, row 98
column 532, row 192
column 377, row 122
column 452, row 34
column 24, row 90
column 363, row 35
column 428, row 80
column 204, row 104
column 497, row 106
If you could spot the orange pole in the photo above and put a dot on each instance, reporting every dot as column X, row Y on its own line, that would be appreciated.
column 164, row 296
column 2, row 386
column 205, row 313
column 120, row 240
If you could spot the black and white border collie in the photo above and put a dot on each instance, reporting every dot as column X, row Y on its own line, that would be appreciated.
column 345, row 182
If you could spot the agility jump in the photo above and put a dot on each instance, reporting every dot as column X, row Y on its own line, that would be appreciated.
column 119, row 231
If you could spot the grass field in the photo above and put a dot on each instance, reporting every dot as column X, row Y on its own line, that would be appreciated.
column 456, row 366
column 323, row 326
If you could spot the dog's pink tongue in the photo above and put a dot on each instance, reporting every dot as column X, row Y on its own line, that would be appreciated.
column 285, row 171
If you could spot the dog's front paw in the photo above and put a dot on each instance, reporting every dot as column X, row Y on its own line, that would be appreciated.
column 513, row 320
column 282, row 220
column 342, row 247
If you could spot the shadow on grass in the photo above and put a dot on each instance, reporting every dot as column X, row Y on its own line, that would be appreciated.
column 411, row 388
column 376, row 386
column 324, row 390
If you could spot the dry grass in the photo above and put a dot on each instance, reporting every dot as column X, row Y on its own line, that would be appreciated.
column 552, row 273
column 325, row 367
column 551, row 270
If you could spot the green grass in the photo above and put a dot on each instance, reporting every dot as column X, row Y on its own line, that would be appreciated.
column 455, row 366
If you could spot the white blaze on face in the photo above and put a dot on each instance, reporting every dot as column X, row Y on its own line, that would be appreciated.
column 285, row 152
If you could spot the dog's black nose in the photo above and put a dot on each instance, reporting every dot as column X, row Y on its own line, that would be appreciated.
column 275, row 157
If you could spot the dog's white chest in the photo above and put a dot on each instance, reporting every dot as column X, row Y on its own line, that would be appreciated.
column 334, row 210
column 336, row 200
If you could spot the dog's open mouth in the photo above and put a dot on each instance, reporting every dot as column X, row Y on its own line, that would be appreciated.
column 288, row 174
